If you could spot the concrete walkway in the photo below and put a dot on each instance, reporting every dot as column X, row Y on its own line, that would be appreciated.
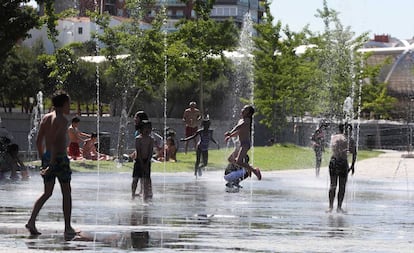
column 285, row 212
column 389, row 165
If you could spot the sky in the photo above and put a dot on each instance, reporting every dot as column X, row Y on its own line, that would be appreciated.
column 393, row 17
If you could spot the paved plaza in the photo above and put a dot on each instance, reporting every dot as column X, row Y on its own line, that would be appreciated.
column 285, row 212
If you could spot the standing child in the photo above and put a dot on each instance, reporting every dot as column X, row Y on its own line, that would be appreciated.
column 144, row 144
column 206, row 135
column 243, row 130
column 341, row 143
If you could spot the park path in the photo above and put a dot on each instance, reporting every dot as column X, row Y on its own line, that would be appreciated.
column 389, row 165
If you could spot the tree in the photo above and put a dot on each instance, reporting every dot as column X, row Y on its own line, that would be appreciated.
column 338, row 62
column 198, row 40
column 375, row 100
column 20, row 73
column 16, row 19
column 284, row 80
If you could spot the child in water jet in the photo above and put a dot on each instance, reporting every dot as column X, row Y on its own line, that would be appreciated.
column 341, row 144
column 144, row 145
column 206, row 135
column 243, row 131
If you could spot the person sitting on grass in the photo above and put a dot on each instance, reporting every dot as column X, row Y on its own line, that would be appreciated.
column 169, row 152
column 89, row 150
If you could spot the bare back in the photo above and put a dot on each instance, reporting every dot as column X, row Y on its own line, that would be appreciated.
column 339, row 145
column 52, row 134
column 144, row 146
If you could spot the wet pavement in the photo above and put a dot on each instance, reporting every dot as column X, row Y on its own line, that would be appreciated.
column 285, row 212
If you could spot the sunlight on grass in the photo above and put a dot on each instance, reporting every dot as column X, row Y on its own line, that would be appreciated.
column 277, row 157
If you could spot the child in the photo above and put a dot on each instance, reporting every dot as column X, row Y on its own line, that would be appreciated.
column 75, row 137
column 169, row 151
column 206, row 135
column 243, row 131
column 10, row 161
column 89, row 150
column 318, row 144
column 235, row 174
column 144, row 144
column 51, row 146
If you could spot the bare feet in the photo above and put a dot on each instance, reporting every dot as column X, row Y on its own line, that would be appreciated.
column 70, row 233
column 32, row 230
column 258, row 174
column 329, row 210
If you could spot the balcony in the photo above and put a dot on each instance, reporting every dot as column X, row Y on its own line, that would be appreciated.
column 170, row 3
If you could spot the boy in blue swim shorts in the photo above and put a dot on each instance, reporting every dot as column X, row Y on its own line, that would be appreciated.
column 60, row 170
column 51, row 145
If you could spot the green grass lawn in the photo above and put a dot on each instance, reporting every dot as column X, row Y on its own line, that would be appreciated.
column 277, row 157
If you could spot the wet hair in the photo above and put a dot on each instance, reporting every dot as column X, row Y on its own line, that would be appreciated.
column 251, row 109
column 323, row 124
column 75, row 120
column 12, row 148
column 59, row 98
column 146, row 124
column 345, row 127
column 171, row 139
column 94, row 135
column 141, row 115
column 205, row 123
column 251, row 112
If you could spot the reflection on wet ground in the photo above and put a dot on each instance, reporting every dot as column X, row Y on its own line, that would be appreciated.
column 285, row 212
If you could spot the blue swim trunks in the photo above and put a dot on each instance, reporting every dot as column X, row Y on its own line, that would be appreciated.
column 60, row 170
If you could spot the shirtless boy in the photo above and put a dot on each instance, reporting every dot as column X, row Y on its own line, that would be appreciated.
column 75, row 137
column 191, row 118
column 243, row 131
column 51, row 146
column 144, row 145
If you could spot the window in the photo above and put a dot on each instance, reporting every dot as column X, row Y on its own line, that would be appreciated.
column 224, row 11
column 80, row 30
column 179, row 13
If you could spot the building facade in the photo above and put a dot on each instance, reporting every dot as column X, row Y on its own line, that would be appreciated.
column 176, row 9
